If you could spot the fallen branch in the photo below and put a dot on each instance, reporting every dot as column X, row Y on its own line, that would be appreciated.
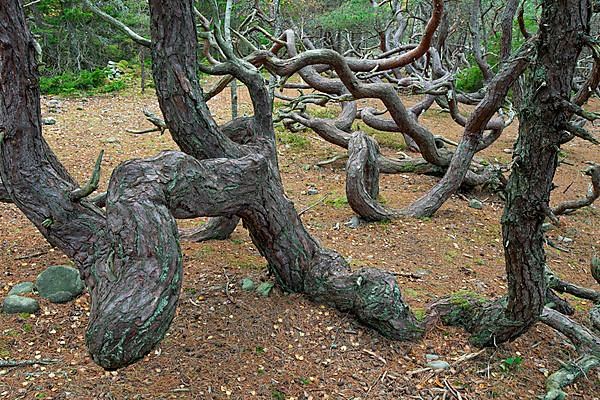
column 24, row 363
column 158, row 122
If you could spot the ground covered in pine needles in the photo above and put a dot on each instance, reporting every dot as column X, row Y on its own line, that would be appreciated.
column 226, row 343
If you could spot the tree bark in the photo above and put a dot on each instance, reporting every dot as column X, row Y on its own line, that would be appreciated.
column 542, row 118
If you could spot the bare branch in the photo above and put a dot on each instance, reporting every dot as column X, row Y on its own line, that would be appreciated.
column 593, row 193
column 92, row 184
column 118, row 24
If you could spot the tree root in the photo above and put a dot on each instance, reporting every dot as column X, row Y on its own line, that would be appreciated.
column 586, row 343
column 595, row 268
column 582, row 337
column 371, row 294
column 595, row 318
column 24, row 363
column 567, row 375
column 159, row 124
column 217, row 228
column 557, row 303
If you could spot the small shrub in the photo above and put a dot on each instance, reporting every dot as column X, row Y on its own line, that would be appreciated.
column 469, row 79
column 511, row 363
column 82, row 83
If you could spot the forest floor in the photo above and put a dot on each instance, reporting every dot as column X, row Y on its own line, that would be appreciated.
column 227, row 343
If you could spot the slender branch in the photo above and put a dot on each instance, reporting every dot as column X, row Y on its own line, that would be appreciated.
column 592, row 195
column 92, row 184
column 118, row 24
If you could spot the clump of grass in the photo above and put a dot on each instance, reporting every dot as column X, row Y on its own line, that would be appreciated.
column 293, row 140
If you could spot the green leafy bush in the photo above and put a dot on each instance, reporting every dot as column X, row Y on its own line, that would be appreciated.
column 84, row 82
column 469, row 79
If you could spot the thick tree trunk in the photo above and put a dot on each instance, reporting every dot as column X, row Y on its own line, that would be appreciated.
column 542, row 120
column 298, row 262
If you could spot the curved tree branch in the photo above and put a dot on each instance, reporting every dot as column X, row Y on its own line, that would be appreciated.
column 118, row 24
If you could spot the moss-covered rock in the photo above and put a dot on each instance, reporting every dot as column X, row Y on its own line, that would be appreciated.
column 59, row 284
column 19, row 304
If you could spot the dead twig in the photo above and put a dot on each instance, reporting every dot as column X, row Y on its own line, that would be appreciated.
column 314, row 204
column 24, row 363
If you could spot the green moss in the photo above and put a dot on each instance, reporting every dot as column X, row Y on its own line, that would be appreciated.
column 323, row 112
column 337, row 202
column 464, row 299
column 420, row 314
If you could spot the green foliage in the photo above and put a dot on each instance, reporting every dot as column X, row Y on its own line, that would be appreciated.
column 354, row 15
column 82, row 83
column 277, row 395
column 469, row 79
column 511, row 364
column 293, row 140
column 72, row 38
column 97, row 81
column 337, row 202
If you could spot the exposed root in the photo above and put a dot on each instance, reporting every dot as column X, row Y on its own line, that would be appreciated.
column 586, row 343
column 24, row 363
column 371, row 294
column 568, row 374
column 595, row 318
column 595, row 268
column 557, row 303
column 582, row 337
column 159, row 124
column 92, row 185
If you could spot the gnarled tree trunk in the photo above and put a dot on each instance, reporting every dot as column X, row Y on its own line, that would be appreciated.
column 541, row 131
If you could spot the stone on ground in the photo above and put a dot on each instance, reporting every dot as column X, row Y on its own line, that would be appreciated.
column 19, row 304
column 21, row 288
column 59, row 284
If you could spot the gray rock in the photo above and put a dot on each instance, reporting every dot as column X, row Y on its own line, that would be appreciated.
column 59, row 284
column 248, row 284
column 438, row 364
column 354, row 222
column 264, row 288
column 565, row 239
column 21, row 288
column 432, row 357
column 48, row 121
column 474, row 203
column 19, row 304
column 312, row 191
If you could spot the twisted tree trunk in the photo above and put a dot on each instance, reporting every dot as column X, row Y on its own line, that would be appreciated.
column 129, row 255
column 541, row 131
